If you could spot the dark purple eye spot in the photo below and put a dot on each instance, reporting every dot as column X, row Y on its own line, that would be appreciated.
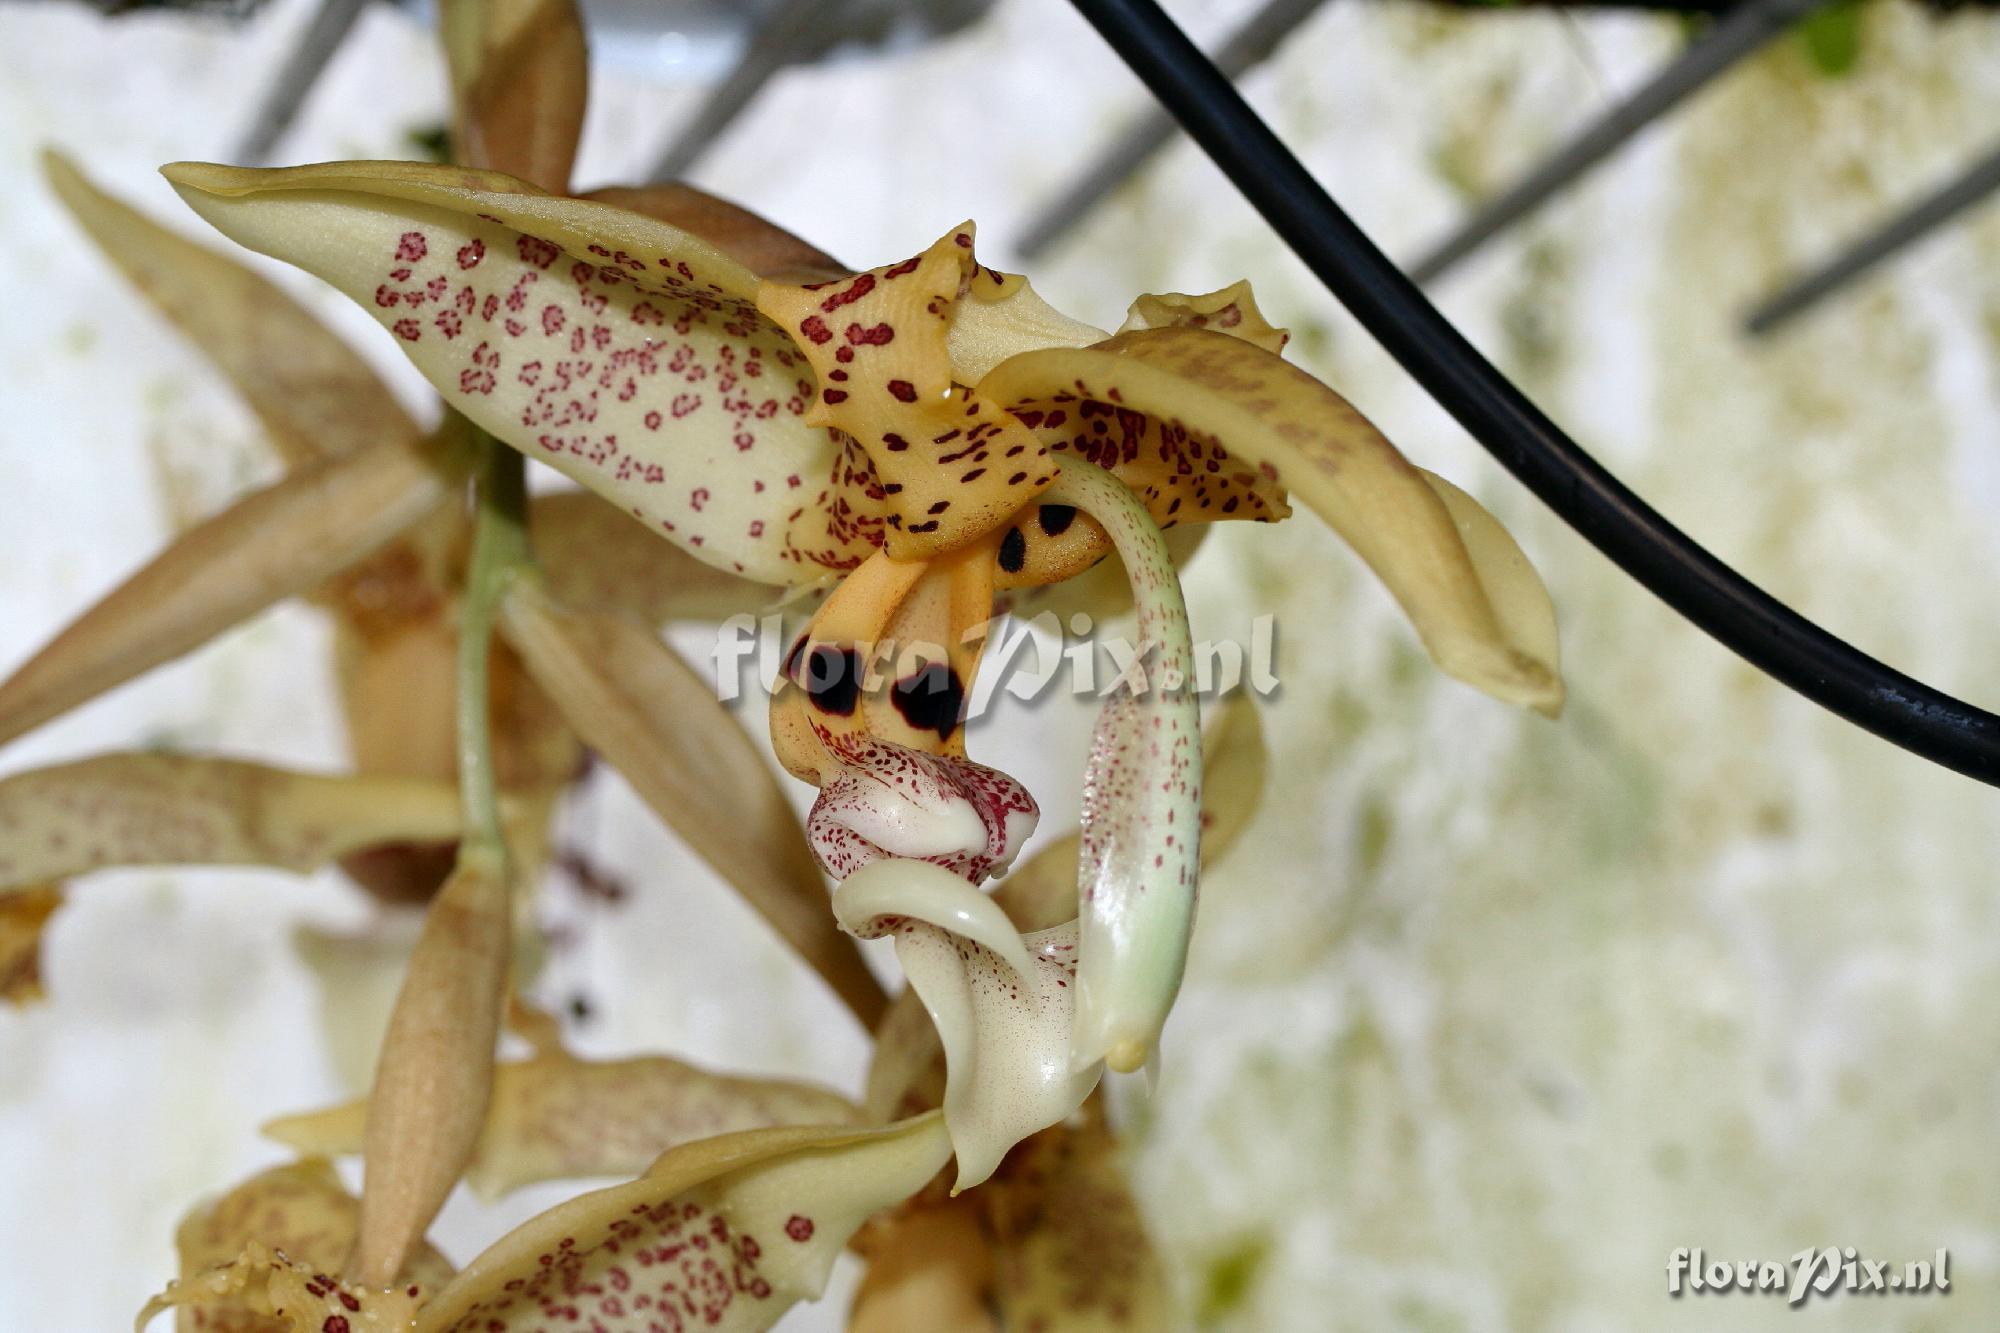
column 930, row 699
column 833, row 679
column 1055, row 519
column 1013, row 551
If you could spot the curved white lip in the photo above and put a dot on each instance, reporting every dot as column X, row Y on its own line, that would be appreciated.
column 901, row 827
column 931, row 894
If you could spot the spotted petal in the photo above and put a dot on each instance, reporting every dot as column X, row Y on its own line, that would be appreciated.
column 761, row 246
column 301, row 1211
column 1220, row 407
column 161, row 809
column 727, row 1233
column 1002, row 1004
column 624, row 351
column 555, row 1117
column 597, row 559
column 1070, row 1243
column 885, row 800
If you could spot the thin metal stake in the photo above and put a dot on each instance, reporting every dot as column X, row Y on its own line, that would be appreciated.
column 1741, row 33
column 1926, row 216
column 1245, row 49
column 323, row 36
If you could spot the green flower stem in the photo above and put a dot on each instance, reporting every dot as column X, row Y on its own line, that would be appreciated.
column 499, row 550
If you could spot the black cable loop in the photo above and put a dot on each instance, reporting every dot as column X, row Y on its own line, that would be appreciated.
column 1763, row 631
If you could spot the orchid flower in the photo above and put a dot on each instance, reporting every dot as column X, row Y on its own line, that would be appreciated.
column 915, row 446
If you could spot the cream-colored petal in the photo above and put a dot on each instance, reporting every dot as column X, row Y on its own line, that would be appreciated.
column 520, row 78
column 555, row 1117
column 597, row 559
column 24, row 916
column 728, row 1233
column 1519, row 599
column 300, row 1210
column 1139, row 864
column 314, row 396
column 161, row 809
column 1070, row 1246
column 280, row 541
column 657, row 721
column 1228, row 403
column 1004, row 1024
column 435, row 1076
column 620, row 350
column 1006, row 319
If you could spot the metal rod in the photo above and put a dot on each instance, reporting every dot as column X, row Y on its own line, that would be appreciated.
column 1245, row 49
column 1741, row 33
column 324, row 35
column 1926, row 216
column 772, row 46
column 1743, row 617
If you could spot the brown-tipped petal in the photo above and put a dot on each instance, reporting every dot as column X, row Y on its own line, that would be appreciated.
column 749, row 1225
column 24, row 915
column 435, row 1075
column 1262, row 424
column 657, row 721
column 314, row 396
column 555, row 1117
column 763, row 247
column 159, row 809
column 270, row 545
column 622, row 351
column 929, row 1268
column 300, row 1210
column 520, row 77
column 596, row 559
column 1070, row 1244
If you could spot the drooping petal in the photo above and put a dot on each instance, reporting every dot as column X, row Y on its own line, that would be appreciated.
column 1202, row 400
column 597, row 559
column 435, row 1076
column 314, row 396
column 886, row 800
column 555, row 1117
column 726, row 1234
column 280, row 541
column 635, row 702
column 161, row 809
column 621, row 350
column 763, row 247
column 301, row 1211
column 1042, row 891
column 24, row 915
column 1070, row 1244
column 520, row 77
column 1140, row 856
column 952, row 465
column 1002, row 1004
